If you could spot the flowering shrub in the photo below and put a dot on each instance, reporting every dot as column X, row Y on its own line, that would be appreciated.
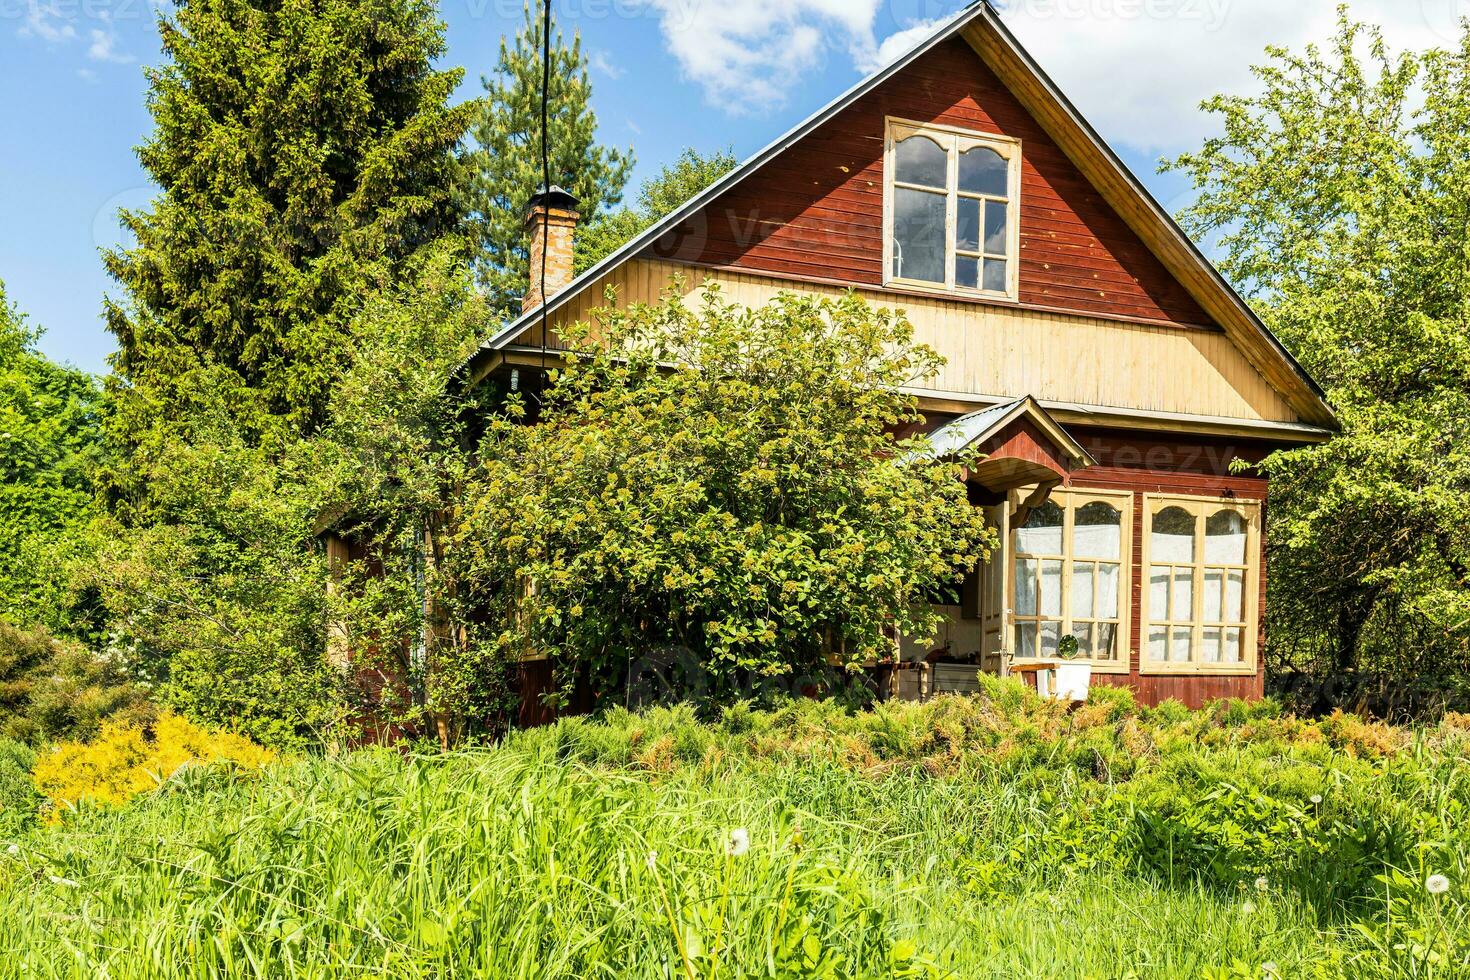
column 127, row 760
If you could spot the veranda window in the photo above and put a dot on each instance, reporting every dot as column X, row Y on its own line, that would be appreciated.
column 1072, row 578
column 1203, row 564
column 952, row 209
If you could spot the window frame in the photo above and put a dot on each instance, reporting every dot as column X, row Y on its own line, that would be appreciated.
column 1071, row 500
column 1203, row 508
column 953, row 140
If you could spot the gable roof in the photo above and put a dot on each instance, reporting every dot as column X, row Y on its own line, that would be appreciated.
column 982, row 28
column 969, row 430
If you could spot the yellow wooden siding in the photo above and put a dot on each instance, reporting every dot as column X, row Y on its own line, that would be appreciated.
column 998, row 351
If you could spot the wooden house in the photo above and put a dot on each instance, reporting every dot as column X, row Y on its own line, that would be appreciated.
column 1106, row 371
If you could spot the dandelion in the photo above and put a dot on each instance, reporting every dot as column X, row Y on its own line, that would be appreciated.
column 13, row 850
column 1316, row 799
column 1437, row 884
column 652, row 860
column 63, row 882
column 1249, row 908
column 738, row 842
column 1262, row 884
column 1270, row 969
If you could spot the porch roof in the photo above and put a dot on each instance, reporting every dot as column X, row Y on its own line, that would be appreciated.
column 976, row 429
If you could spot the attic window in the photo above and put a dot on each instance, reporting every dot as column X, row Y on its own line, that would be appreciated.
column 951, row 209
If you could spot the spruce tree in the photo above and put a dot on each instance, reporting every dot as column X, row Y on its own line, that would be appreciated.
column 305, row 152
column 503, row 165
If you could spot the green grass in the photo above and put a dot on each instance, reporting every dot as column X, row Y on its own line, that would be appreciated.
column 969, row 839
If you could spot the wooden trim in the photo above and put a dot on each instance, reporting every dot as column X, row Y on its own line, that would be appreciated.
column 955, row 138
column 1191, row 381
column 1203, row 508
column 932, row 292
column 1070, row 501
column 1142, row 420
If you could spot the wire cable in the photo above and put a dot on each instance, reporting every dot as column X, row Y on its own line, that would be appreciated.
column 545, row 175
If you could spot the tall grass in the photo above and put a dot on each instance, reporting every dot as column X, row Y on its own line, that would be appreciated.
column 964, row 839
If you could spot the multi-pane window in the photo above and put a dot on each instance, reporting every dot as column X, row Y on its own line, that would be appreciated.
column 1071, row 577
column 1202, row 559
column 952, row 209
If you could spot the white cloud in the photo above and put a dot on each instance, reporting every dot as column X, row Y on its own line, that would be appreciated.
column 46, row 22
column 899, row 43
column 104, row 48
column 598, row 61
column 747, row 55
column 1138, row 69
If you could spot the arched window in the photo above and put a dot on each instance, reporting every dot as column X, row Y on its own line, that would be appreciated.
column 951, row 209
column 1203, row 567
column 922, row 162
column 919, row 206
column 1070, row 578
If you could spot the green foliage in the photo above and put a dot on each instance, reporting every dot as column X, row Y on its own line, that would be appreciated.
column 304, row 152
column 222, row 592
column 502, row 164
column 675, row 184
column 19, row 799
column 50, row 689
column 306, row 158
column 49, row 441
column 221, row 597
column 972, row 847
column 1339, row 198
column 390, row 471
column 720, row 481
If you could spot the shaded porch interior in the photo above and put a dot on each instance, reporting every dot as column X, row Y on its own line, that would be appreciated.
column 1020, row 456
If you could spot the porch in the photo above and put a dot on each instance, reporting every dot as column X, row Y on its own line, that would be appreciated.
column 1005, row 617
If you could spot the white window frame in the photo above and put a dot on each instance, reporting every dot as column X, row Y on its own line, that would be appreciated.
column 1070, row 501
column 1202, row 508
column 953, row 141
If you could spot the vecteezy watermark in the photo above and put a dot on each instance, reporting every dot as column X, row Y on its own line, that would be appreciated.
column 570, row 12
column 107, row 227
column 1212, row 14
column 1446, row 17
column 46, row 16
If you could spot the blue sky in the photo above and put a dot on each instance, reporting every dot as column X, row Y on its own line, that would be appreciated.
column 666, row 74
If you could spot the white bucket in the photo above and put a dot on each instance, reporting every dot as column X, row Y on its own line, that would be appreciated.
column 1065, row 680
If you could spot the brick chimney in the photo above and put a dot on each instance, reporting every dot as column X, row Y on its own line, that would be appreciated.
column 551, row 220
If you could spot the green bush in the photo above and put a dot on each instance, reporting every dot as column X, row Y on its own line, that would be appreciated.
column 19, row 800
column 50, row 689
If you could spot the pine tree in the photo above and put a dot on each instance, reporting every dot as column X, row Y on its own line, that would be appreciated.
column 503, row 166
column 305, row 152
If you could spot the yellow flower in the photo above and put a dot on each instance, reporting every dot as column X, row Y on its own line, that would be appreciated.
column 123, row 761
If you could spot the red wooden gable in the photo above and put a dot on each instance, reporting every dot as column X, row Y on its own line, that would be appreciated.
column 816, row 209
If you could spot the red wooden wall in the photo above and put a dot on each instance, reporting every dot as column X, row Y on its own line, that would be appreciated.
column 816, row 210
